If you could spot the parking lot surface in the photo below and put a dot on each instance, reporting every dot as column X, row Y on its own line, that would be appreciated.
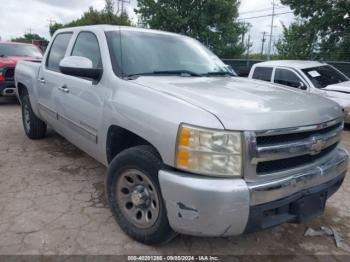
column 52, row 202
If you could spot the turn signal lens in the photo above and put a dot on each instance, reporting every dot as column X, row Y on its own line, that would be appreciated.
column 184, row 139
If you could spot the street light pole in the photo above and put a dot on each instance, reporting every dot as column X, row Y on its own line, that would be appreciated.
column 263, row 44
column 271, row 31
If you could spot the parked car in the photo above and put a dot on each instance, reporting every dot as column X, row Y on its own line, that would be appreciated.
column 311, row 76
column 10, row 54
column 189, row 147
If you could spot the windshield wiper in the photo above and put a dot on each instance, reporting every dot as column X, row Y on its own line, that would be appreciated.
column 1, row 55
column 165, row 72
column 218, row 73
column 176, row 72
column 181, row 73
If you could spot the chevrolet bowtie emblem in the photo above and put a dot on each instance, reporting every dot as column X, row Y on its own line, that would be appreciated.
column 318, row 146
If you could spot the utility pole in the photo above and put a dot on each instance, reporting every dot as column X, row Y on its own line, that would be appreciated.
column 121, row 3
column 243, row 34
column 263, row 44
column 51, row 21
column 271, row 30
column 313, row 46
column 28, row 31
column 248, row 48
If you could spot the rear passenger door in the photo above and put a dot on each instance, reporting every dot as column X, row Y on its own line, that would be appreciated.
column 49, row 78
column 263, row 73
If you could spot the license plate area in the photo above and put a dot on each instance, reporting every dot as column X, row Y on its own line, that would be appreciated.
column 309, row 207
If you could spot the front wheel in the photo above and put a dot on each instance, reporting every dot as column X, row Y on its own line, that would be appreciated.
column 135, row 198
column 33, row 126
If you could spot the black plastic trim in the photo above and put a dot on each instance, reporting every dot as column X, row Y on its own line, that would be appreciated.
column 288, row 209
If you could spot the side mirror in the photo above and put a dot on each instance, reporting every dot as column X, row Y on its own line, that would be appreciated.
column 81, row 67
column 302, row 86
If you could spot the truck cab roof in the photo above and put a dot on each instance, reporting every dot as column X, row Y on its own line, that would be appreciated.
column 107, row 28
column 300, row 64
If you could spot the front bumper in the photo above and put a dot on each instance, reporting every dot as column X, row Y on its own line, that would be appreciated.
column 205, row 206
column 7, row 88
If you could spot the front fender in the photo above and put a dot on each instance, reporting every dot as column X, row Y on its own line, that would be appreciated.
column 153, row 115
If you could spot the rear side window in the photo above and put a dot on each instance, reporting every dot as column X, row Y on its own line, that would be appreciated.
column 57, row 51
column 263, row 73
column 87, row 46
column 287, row 78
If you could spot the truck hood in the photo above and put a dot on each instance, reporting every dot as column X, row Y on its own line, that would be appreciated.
column 343, row 87
column 339, row 93
column 244, row 104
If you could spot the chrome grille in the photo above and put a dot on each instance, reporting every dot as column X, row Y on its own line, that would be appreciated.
column 279, row 165
column 272, row 152
column 285, row 138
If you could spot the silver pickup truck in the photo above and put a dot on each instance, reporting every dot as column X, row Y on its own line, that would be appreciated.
column 190, row 148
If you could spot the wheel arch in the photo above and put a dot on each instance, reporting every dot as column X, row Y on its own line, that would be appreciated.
column 119, row 139
column 21, row 91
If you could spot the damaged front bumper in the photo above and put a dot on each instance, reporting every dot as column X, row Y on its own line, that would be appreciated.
column 206, row 206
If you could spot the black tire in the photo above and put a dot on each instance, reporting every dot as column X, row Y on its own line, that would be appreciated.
column 144, row 159
column 33, row 126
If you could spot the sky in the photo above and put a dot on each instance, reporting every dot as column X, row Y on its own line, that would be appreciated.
column 23, row 16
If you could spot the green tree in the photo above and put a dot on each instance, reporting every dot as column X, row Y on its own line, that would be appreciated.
column 94, row 17
column 329, row 21
column 28, row 38
column 213, row 22
column 298, row 42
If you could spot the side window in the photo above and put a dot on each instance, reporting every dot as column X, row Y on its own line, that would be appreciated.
column 57, row 51
column 287, row 78
column 263, row 73
column 87, row 46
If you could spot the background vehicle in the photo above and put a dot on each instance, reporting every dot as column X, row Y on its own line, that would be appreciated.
column 311, row 76
column 10, row 54
column 190, row 148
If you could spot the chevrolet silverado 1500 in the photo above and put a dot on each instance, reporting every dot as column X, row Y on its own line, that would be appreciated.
column 190, row 148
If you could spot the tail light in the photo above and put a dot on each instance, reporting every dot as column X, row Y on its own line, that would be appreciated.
column 2, row 77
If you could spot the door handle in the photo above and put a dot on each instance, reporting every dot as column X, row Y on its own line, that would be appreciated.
column 64, row 89
column 42, row 80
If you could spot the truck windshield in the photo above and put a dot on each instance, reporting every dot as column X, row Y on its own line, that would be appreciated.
column 147, row 53
column 9, row 49
column 324, row 76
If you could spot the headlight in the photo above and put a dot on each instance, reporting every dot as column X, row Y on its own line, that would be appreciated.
column 209, row 152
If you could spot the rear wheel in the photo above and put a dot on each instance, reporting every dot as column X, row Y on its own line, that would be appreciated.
column 33, row 126
column 135, row 198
